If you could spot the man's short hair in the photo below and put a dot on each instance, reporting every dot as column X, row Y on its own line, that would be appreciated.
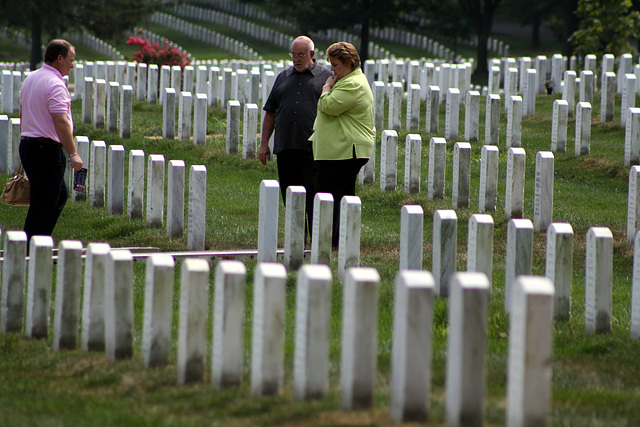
column 345, row 53
column 56, row 48
column 307, row 41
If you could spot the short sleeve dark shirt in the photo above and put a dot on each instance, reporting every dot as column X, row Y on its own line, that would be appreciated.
column 294, row 100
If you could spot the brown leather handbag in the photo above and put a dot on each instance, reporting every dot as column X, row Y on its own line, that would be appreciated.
column 16, row 192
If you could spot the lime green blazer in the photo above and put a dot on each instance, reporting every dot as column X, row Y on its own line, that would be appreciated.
column 345, row 120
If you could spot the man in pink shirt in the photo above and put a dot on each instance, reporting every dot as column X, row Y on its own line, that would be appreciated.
column 46, row 130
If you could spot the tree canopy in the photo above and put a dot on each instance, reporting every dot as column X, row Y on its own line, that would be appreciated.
column 357, row 15
column 42, row 20
column 605, row 27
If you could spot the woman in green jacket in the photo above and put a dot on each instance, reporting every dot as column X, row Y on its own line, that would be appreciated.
column 343, row 135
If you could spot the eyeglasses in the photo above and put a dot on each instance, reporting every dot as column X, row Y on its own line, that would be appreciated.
column 297, row 55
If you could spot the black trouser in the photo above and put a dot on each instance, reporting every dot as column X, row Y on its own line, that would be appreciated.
column 44, row 163
column 338, row 177
column 296, row 167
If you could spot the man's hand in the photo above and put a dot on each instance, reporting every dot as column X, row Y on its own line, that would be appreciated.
column 268, row 125
column 76, row 162
column 264, row 153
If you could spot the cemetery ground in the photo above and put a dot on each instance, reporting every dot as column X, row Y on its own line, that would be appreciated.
column 596, row 378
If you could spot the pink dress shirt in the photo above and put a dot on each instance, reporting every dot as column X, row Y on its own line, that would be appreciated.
column 43, row 93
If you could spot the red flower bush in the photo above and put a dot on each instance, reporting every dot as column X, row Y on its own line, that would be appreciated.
column 152, row 53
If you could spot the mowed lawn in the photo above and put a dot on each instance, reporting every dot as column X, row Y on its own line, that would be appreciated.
column 596, row 379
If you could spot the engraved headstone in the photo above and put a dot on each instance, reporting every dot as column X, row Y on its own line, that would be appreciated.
column 543, row 193
column 559, row 267
column 359, row 337
column 412, row 325
column 471, row 116
column 514, row 186
column 437, row 168
column 349, row 236
column 38, row 298
column 67, row 299
column 519, row 255
column 267, row 338
column 598, row 280
column 460, row 186
column 93, row 297
column 530, row 350
column 480, row 244
column 268, row 220
column 158, row 310
column 488, row 179
column 313, row 314
column 388, row 160
column 411, row 237
column 559, row 126
column 467, row 342
column 192, row 324
column 227, row 354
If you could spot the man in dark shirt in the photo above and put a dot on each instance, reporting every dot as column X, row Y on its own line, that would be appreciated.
column 291, row 110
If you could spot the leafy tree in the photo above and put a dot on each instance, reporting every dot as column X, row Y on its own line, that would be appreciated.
column 532, row 13
column 442, row 19
column 109, row 19
column 606, row 27
column 481, row 14
column 33, row 16
column 315, row 15
column 44, row 20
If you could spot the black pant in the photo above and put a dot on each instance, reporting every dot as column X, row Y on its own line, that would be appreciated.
column 44, row 163
column 296, row 167
column 338, row 177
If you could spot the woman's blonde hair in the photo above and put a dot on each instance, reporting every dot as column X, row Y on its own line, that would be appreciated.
column 345, row 53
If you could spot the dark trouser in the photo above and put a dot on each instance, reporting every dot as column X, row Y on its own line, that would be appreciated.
column 338, row 177
column 296, row 167
column 44, row 163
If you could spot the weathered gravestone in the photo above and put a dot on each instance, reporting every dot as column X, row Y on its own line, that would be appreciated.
column 267, row 338
column 313, row 314
column 467, row 341
column 412, row 324
column 227, row 354
column 598, row 280
column 559, row 267
column 93, row 297
column 192, row 324
column 358, row 362
column 67, row 299
column 445, row 228
column 530, row 349
column 158, row 310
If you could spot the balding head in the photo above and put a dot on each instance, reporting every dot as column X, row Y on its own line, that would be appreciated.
column 303, row 42
column 302, row 51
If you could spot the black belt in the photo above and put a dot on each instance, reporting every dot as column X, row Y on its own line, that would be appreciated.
column 43, row 140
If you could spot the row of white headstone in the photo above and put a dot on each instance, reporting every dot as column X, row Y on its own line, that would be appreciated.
column 108, row 285
column 107, row 325
column 205, row 35
column 94, row 43
column 249, row 10
column 106, row 187
column 236, row 23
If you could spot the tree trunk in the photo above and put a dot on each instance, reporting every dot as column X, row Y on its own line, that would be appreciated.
column 36, row 40
column 535, row 30
column 482, row 55
column 364, row 42
column 364, row 33
column 481, row 13
column 570, row 25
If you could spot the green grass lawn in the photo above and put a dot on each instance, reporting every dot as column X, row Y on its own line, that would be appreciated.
column 595, row 378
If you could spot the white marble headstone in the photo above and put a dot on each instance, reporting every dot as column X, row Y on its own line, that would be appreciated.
column 412, row 325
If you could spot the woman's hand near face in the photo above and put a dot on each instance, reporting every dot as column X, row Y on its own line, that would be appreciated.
column 331, row 80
